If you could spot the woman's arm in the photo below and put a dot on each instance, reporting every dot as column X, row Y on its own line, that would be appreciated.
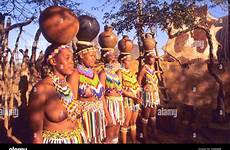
column 36, row 112
column 102, row 77
column 141, row 75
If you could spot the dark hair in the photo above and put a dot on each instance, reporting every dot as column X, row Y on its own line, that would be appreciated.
column 46, row 66
column 121, row 56
column 104, row 59
column 79, row 48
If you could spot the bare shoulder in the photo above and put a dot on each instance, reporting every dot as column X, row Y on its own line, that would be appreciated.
column 42, row 86
column 143, row 69
column 40, row 90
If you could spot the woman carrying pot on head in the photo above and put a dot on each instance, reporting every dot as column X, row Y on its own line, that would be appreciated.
column 147, row 78
column 111, row 82
column 130, row 89
column 86, row 84
column 53, row 112
column 90, row 93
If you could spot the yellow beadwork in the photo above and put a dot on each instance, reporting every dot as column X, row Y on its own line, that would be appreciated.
column 129, row 80
column 74, row 136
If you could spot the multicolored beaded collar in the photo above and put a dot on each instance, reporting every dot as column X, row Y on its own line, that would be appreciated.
column 151, row 75
column 129, row 80
column 112, row 80
column 89, row 80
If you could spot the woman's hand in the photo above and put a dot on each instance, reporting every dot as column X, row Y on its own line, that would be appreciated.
column 109, row 121
column 147, row 88
column 138, row 100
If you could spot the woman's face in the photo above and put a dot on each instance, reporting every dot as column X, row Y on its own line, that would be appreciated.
column 64, row 62
column 127, row 62
column 88, row 58
column 110, row 57
column 151, row 59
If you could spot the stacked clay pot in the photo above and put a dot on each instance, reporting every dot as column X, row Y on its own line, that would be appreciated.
column 89, row 28
column 107, row 39
column 149, row 42
column 125, row 45
column 58, row 24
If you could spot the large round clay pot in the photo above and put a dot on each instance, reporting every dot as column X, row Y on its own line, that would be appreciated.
column 58, row 24
column 125, row 44
column 107, row 39
column 89, row 28
column 149, row 42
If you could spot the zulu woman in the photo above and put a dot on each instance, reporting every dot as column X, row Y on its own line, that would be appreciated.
column 87, row 87
column 147, row 78
column 111, row 83
column 131, row 89
column 53, row 112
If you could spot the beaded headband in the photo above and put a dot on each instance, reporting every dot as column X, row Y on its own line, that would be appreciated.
column 56, row 51
column 85, row 50
column 108, row 51
column 86, row 43
column 126, row 55
column 149, row 52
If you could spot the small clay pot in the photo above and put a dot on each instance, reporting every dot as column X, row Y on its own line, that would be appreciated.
column 125, row 44
column 58, row 24
column 149, row 42
column 89, row 28
column 107, row 39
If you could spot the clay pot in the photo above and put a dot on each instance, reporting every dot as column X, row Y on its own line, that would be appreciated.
column 58, row 24
column 149, row 42
column 107, row 39
column 125, row 44
column 89, row 28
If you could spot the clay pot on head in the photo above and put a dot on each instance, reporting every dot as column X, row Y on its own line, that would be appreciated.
column 149, row 42
column 125, row 44
column 58, row 24
column 89, row 28
column 107, row 39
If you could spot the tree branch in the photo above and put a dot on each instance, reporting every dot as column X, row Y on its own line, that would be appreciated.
column 35, row 44
column 20, row 24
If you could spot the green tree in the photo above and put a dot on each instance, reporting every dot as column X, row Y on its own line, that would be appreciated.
column 148, row 14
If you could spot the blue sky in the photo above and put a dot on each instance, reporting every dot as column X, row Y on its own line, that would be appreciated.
column 29, row 31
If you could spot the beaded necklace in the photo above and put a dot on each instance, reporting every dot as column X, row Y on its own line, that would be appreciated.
column 112, row 79
column 151, row 77
column 89, row 80
column 129, row 80
column 66, row 97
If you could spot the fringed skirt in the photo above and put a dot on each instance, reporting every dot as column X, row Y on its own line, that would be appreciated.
column 150, row 99
column 94, row 122
column 116, row 109
column 64, row 137
column 129, row 103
